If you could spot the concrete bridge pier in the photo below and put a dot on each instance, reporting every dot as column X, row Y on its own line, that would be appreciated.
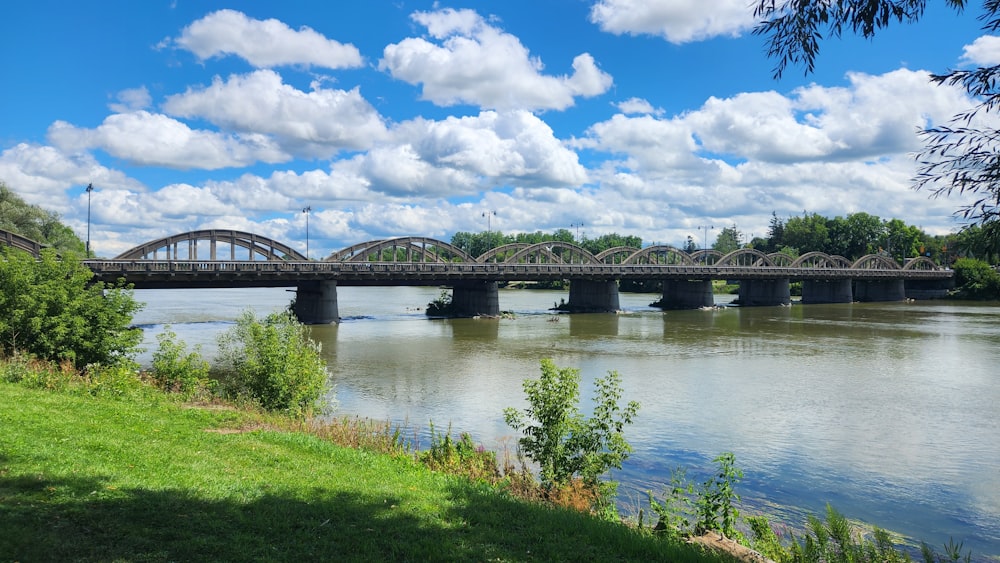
column 827, row 291
column 686, row 294
column 880, row 290
column 759, row 293
column 928, row 289
column 475, row 298
column 316, row 302
column 592, row 296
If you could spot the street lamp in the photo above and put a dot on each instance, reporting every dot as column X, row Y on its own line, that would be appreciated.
column 90, row 188
column 706, row 229
column 577, row 225
column 306, row 210
column 489, row 228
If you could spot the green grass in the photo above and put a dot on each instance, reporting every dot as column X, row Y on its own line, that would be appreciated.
column 145, row 479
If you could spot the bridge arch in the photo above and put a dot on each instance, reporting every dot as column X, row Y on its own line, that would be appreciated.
column 819, row 260
column 554, row 252
column 660, row 254
column 706, row 257
column 401, row 249
column 780, row 259
column 502, row 252
column 745, row 257
column 875, row 262
column 920, row 263
column 258, row 246
column 616, row 255
column 21, row 243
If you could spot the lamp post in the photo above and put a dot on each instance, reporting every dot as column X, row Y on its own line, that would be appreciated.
column 577, row 225
column 706, row 229
column 90, row 188
column 306, row 210
column 489, row 228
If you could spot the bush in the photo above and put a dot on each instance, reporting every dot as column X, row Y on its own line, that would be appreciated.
column 50, row 309
column 177, row 370
column 562, row 441
column 976, row 279
column 273, row 363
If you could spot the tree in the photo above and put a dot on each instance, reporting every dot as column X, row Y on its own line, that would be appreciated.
column 960, row 157
column 728, row 240
column 51, row 309
column 35, row 223
column 807, row 233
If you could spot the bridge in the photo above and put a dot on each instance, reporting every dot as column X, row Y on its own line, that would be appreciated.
column 229, row 258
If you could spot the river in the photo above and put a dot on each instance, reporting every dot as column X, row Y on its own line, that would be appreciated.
column 888, row 411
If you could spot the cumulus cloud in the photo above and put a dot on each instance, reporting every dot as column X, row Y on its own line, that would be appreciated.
column 638, row 105
column 475, row 63
column 677, row 21
column 42, row 174
column 872, row 116
column 152, row 139
column 264, row 43
column 131, row 99
column 984, row 51
column 318, row 123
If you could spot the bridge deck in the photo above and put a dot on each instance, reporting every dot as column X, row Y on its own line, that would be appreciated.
column 181, row 273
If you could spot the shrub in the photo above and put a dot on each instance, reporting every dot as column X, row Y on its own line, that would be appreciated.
column 274, row 363
column 976, row 279
column 711, row 506
column 50, row 309
column 564, row 443
column 177, row 370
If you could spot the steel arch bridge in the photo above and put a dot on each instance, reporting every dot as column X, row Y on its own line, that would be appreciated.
column 186, row 246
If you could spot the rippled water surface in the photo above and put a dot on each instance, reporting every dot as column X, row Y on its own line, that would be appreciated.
column 890, row 412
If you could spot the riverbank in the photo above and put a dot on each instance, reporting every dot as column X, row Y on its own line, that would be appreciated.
column 147, row 478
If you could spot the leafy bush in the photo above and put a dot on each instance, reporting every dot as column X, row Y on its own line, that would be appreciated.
column 177, row 370
column 274, row 363
column 564, row 443
column 711, row 506
column 976, row 279
column 50, row 309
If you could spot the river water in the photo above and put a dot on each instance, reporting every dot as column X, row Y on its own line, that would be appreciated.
column 890, row 412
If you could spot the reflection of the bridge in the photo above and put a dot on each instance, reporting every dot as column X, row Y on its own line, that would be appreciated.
column 229, row 258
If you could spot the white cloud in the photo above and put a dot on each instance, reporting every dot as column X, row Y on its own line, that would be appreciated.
column 131, row 99
column 638, row 105
column 42, row 174
column 157, row 140
column 984, row 51
column 318, row 123
column 677, row 21
column 476, row 63
column 264, row 43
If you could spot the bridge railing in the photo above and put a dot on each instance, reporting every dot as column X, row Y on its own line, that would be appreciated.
column 443, row 271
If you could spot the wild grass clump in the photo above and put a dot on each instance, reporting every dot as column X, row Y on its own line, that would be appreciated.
column 119, row 379
column 177, row 370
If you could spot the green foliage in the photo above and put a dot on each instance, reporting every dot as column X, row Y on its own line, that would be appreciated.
column 709, row 507
column 838, row 540
column 462, row 457
column 177, row 370
column 35, row 223
column 50, row 308
column 274, row 363
column 729, row 239
column 976, row 279
column 764, row 540
column 440, row 307
column 564, row 443
column 715, row 504
column 120, row 379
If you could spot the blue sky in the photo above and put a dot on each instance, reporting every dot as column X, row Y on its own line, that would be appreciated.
column 395, row 118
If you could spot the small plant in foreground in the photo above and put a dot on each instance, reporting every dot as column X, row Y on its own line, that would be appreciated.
column 711, row 506
column 461, row 457
column 273, row 362
column 177, row 370
column 564, row 443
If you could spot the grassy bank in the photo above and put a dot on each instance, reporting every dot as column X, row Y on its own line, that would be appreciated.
column 148, row 479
